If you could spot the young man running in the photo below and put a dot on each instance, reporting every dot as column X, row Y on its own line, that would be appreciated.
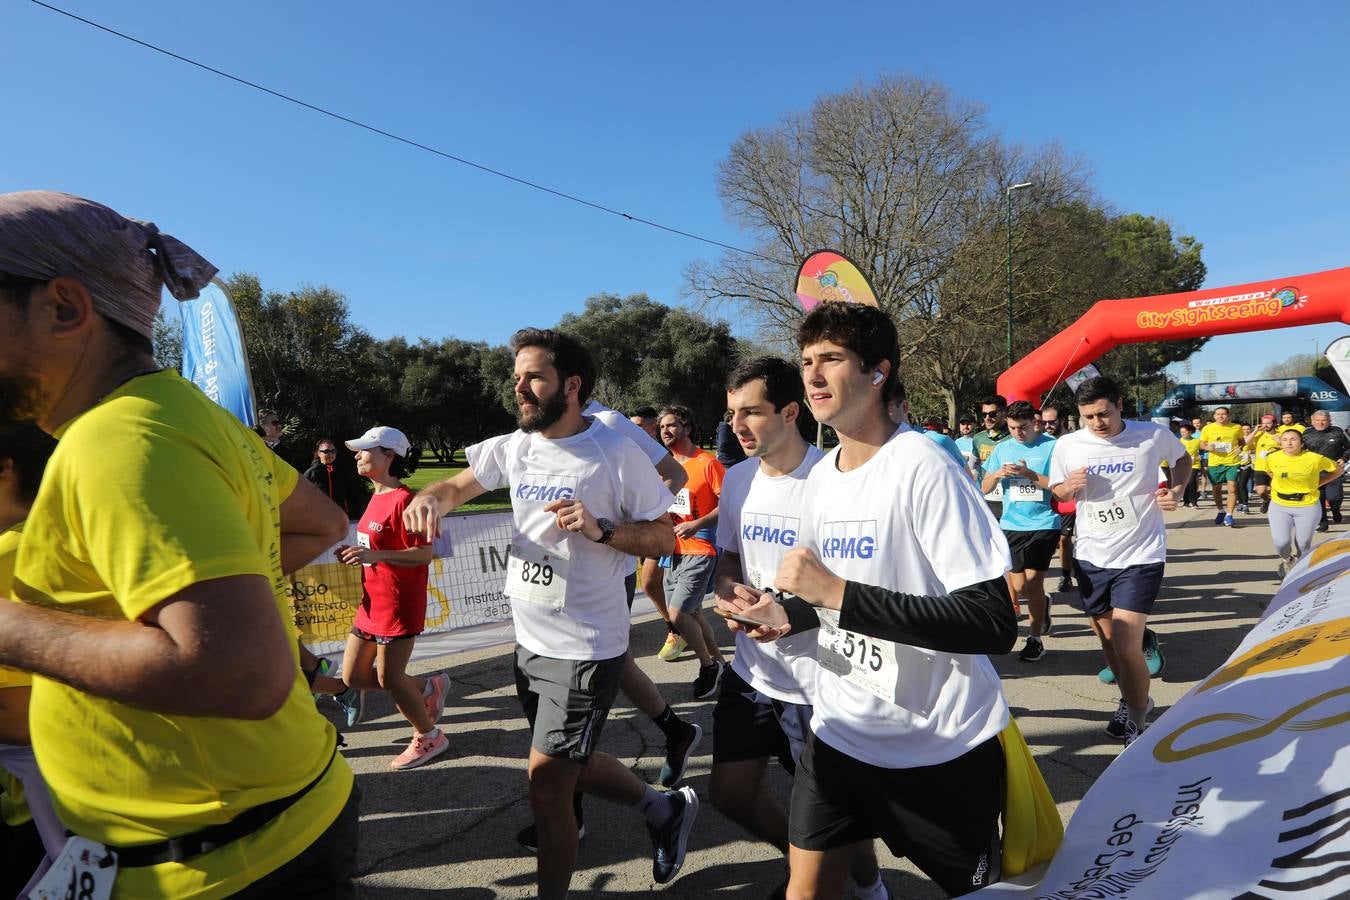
column 583, row 499
column 1053, row 423
column 690, row 576
column 1031, row 526
column 1110, row 466
column 906, row 567
column 992, row 410
column 1222, row 440
column 764, row 709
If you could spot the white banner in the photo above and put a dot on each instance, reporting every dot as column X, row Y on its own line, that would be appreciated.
column 1242, row 788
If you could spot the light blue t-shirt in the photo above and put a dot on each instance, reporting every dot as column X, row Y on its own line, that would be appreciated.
column 1025, row 507
column 967, row 449
column 947, row 444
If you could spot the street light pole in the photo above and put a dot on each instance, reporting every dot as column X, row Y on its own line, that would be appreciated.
column 1007, row 195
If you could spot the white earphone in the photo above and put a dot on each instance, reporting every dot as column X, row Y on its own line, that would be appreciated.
column 878, row 378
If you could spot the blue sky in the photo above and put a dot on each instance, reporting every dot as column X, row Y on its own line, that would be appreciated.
column 1227, row 119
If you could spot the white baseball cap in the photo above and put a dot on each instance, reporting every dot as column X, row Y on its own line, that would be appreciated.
column 381, row 436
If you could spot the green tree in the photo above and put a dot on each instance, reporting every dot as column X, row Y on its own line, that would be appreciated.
column 652, row 354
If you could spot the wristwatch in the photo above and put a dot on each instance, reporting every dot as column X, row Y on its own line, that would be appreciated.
column 606, row 531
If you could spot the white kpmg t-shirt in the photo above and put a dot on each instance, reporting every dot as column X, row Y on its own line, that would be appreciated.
column 759, row 519
column 1124, row 469
column 907, row 520
column 617, row 421
column 610, row 475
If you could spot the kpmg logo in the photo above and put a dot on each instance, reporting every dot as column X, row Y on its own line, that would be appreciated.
column 767, row 529
column 1111, row 465
column 849, row 540
column 539, row 488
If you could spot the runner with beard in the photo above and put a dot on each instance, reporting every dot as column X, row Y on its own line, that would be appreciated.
column 583, row 499
column 901, row 568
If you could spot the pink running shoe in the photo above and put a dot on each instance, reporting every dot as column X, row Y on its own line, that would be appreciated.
column 421, row 749
column 435, row 701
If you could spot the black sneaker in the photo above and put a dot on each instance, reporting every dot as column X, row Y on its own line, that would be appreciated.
column 670, row 841
column 677, row 756
column 528, row 837
column 1132, row 733
column 1065, row 584
column 1034, row 650
column 708, row 680
column 1116, row 727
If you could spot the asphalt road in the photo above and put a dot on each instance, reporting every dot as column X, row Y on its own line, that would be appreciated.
column 447, row 829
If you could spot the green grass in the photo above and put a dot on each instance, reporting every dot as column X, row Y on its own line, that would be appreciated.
column 429, row 472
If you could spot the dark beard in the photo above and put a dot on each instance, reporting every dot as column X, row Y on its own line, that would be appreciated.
column 20, row 397
column 549, row 412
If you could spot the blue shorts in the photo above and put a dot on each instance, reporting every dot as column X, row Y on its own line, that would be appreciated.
column 1101, row 590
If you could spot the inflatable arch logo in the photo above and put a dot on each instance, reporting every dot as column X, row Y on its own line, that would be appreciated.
column 1221, row 309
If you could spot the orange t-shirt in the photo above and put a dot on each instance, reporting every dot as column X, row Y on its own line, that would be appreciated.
column 697, row 498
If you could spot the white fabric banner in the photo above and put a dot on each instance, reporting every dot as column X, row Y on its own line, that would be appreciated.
column 465, row 606
column 1242, row 788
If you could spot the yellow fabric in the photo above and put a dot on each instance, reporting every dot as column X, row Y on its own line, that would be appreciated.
column 9, row 549
column 13, row 808
column 1295, row 475
column 1192, row 446
column 1266, row 443
column 1230, row 434
column 1296, row 427
column 1032, row 830
column 154, row 490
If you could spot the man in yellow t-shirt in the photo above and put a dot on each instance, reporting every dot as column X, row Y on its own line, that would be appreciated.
column 1287, row 421
column 1191, row 441
column 1262, row 443
column 150, row 576
column 1222, row 440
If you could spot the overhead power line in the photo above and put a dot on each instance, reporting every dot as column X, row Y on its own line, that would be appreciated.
column 409, row 141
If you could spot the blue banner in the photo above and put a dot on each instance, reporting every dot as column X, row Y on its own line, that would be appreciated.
column 214, row 356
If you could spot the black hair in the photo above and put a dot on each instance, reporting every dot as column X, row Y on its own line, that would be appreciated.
column 320, row 442
column 995, row 400
column 782, row 380
column 1059, row 410
column 1099, row 388
column 645, row 412
column 682, row 413
column 864, row 330
column 569, row 356
column 1021, row 411
column 398, row 467
column 28, row 447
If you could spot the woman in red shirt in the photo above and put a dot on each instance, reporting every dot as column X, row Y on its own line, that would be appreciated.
column 393, row 598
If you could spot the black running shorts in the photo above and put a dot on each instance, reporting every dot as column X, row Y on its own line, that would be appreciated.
column 943, row 817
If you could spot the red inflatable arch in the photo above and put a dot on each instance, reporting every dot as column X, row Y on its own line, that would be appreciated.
column 1259, row 306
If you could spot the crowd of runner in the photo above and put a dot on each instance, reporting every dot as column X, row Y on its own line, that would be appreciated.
column 866, row 588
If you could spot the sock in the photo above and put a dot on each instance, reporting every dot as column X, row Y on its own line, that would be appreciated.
column 1137, row 716
column 874, row 892
column 671, row 725
column 434, row 730
column 671, row 628
column 656, row 806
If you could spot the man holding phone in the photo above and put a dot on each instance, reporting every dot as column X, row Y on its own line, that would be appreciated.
column 900, row 567
column 764, row 708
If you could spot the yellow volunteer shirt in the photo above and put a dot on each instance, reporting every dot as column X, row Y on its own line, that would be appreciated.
column 13, row 809
column 9, row 550
column 1225, row 441
column 1266, row 444
column 1296, row 475
column 151, row 491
